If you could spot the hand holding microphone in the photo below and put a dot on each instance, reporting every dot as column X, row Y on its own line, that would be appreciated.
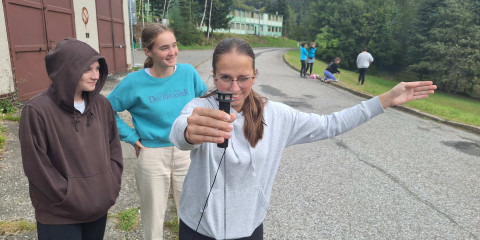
column 209, row 125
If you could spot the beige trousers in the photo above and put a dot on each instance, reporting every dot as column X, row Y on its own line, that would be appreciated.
column 156, row 171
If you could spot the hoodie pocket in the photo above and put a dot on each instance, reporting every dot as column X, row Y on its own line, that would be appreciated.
column 88, row 197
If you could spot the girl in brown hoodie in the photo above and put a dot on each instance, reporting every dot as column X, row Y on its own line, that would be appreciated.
column 70, row 146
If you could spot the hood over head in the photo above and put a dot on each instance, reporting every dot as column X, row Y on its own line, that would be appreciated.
column 66, row 65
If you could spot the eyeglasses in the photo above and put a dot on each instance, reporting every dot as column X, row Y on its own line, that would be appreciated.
column 241, row 81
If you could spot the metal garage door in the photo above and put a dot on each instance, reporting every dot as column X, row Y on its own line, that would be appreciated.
column 34, row 27
column 111, row 34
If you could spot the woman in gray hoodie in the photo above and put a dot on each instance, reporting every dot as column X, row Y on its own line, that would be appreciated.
column 227, row 191
column 70, row 146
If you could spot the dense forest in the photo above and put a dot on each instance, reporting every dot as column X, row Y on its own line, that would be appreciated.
column 436, row 39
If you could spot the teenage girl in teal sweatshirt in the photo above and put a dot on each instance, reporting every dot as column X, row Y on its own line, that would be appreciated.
column 154, row 97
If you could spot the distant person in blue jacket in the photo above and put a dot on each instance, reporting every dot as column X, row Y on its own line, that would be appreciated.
column 303, row 58
column 311, row 57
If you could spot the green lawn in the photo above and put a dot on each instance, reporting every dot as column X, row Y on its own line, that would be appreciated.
column 450, row 107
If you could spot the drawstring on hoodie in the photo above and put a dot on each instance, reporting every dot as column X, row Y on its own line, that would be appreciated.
column 76, row 120
column 89, row 118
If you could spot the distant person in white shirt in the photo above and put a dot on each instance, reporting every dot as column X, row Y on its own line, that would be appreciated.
column 364, row 60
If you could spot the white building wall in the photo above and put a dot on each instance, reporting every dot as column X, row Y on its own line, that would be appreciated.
column 92, row 26
column 81, row 29
column 7, row 84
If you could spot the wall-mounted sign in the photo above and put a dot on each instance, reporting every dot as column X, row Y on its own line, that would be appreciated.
column 85, row 15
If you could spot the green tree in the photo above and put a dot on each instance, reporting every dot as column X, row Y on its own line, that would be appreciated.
column 184, row 14
column 240, row 4
column 289, row 29
column 220, row 11
column 447, row 44
column 407, row 10
column 343, row 27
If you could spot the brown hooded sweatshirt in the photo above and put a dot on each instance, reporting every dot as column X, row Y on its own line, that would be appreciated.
column 73, row 161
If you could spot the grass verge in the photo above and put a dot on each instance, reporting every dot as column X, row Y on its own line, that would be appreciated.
column 11, row 118
column 16, row 227
column 172, row 226
column 126, row 220
column 450, row 107
column 3, row 139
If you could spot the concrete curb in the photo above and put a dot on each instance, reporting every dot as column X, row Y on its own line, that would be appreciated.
column 466, row 127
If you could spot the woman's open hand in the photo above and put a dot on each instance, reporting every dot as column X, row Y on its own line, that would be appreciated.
column 406, row 92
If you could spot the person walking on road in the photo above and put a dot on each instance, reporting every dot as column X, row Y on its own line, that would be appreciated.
column 364, row 59
column 154, row 97
column 227, row 191
column 70, row 146
column 311, row 57
column 303, row 59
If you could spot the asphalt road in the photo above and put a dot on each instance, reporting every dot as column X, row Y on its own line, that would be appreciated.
column 396, row 177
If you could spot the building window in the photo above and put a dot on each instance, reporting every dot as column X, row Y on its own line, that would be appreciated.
column 237, row 26
column 252, row 14
column 243, row 26
column 232, row 25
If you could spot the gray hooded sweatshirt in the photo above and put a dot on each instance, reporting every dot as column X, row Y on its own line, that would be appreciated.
column 250, row 171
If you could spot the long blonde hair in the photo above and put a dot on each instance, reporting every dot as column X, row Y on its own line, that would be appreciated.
column 254, row 104
column 149, row 35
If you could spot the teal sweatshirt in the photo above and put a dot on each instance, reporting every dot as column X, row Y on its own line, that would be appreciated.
column 154, row 103
column 303, row 53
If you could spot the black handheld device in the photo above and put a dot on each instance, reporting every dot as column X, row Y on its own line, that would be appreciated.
column 224, row 99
